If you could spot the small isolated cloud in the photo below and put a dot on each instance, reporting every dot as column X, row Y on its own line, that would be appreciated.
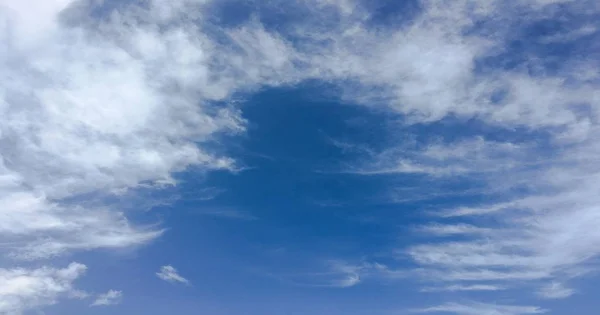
column 336, row 274
column 342, row 274
column 482, row 309
column 112, row 297
column 170, row 274
column 348, row 275
column 555, row 290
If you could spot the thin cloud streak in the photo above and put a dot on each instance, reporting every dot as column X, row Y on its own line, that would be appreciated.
column 481, row 309
column 170, row 274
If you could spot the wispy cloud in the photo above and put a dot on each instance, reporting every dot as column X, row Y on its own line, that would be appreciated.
column 105, row 106
column 452, row 229
column 460, row 287
column 482, row 309
column 226, row 213
column 555, row 290
column 571, row 35
column 112, row 297
column 23, row 290
column 342, row 274
column 336, row 274
column 537, row 170
column 170, row 274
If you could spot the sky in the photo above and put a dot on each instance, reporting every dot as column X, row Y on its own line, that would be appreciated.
column 323, row 157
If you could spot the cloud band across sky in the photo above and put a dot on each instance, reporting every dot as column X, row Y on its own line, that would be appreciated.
column 108, row 98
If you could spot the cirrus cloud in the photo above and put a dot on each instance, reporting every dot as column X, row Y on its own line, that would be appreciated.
column 105, row 105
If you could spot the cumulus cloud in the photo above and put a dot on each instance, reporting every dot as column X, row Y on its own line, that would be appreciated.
column 170, row 274
column 23, row 290
column 112, row 297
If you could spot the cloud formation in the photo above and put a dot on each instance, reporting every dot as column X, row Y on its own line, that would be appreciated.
column 555, row 290
column 98, row 106
column 532, row 150
column 458, row 288
column 482, row 309
column 170, row 274
column 94, row 112
column 23, row 290
column 112, row 297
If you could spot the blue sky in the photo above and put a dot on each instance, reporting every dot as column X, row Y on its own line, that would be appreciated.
column 299, row 157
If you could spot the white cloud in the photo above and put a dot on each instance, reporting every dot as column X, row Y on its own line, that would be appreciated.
column 22, row 290
column 107, row 106
column 98, row 107
column 428, row 69
column 555, row 290
column 332, row 274
column 344, row 275
column 95, row 113
column 470, row 157
column 452, row 229
column 31, row 24
column 459, row 287
column 539, row 176
column 123, row 104
column 170, row 274
column 482, row 309
column 546, row 235
column 112, row 297
column 349, row 280
column 583, row 31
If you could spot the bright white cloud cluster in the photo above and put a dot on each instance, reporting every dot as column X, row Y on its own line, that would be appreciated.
column 97, row 111
column 93, row 107
column 22, row 290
